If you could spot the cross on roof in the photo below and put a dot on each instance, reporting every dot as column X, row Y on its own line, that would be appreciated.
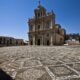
column 39, row 2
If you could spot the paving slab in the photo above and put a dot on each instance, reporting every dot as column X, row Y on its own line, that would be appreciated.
column 76, row 66
column 61, row 71
column 33, row 74
column 50, row 62
column 41, row 62
column 30, row 63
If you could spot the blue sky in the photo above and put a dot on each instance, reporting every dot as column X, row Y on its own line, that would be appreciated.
column 14, row 15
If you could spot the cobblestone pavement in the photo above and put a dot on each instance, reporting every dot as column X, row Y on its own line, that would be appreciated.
column 41, row 63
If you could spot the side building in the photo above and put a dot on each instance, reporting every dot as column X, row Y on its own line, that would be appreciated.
column 43, row 30
column 72, row 39
column 9, row 41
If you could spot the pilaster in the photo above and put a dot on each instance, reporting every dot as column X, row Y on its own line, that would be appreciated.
column 34, row 40
column 51, row 40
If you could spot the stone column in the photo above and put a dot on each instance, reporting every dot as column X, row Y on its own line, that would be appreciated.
column 34, row 27
column 42, row 26
column 42, row 40
column 51, row 40
column 51, row 25
column 34, row 40
column 42, row 34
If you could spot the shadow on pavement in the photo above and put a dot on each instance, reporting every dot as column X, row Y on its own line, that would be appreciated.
column 4, row 75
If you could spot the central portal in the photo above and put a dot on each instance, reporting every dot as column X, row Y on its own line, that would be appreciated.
column 38, row 42
column 48, row 42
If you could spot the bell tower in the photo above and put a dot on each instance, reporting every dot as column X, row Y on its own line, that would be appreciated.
column 42, row 29
column 40, row 11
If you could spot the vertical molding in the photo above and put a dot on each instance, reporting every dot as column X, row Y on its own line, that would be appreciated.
column 51, row 40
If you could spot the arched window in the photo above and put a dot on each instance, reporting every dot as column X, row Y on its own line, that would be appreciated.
column 38, row 14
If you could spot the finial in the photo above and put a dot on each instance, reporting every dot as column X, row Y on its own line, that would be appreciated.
column 52, row 11
column 39, row 2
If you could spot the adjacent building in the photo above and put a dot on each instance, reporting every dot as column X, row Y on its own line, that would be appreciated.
column 72, row 39
column 9, row 41
column 43, row 30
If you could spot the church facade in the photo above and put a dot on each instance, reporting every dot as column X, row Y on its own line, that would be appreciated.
column 43, row 30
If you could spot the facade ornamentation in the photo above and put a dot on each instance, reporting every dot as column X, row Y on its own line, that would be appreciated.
column 43, row 30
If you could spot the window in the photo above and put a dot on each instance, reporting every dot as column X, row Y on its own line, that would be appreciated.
column 38, row 27
column 38, row 14
column 47, row 35
column 31, row 27
column 0, row 39
column 41, row 13
column 16, row 42
column 4, row 40
column 48, row 24
column 10, row 41
column 21, row 43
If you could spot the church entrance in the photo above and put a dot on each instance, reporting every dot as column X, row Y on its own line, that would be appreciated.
column 48, row 42
column 31, row 43
column 38, row 42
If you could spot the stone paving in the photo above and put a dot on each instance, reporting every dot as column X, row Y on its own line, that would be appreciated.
column 41, row 62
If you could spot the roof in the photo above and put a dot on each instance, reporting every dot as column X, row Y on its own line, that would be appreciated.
column 40, row 7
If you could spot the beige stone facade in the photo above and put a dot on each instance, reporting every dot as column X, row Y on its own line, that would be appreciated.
column 9, row 41
column 43, row 30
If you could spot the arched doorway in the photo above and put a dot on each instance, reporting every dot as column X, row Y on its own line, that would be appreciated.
column 48, row 42
column 31, row 43
column 38, row 42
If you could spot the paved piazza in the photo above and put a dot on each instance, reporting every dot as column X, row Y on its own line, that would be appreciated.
column 41, row 63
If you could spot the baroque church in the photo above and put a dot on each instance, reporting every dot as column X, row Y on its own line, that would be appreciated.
column 43, row 30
